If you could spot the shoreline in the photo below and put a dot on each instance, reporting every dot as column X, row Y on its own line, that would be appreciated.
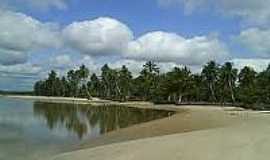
column 247, row 140
column 137, row 104
column 184, row 129
column 197, row 129
column 186, row 119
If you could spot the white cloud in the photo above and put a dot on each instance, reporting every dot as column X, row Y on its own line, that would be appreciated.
column 255, row 39
column 98, row 37
column 62, row 63
column 258, row 64
column 170, row 47
column 21, row 34
column 255, row 11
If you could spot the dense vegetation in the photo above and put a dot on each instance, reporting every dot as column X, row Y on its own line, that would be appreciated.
column 215, row 84
column 27, row 93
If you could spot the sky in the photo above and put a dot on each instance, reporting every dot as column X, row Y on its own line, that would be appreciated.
column 37, row 36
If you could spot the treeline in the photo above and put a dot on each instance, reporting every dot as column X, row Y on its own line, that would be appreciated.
column 216, row 83
column 26, row 93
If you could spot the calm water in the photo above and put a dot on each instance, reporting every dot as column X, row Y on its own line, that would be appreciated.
column 30, row 130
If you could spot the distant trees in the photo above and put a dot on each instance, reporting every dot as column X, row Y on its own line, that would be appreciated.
column 247, row 86
column 69, row 86
column 215, row 84
column 147, row 81
column 227, row 82
column 263, row 86
column 210, row 77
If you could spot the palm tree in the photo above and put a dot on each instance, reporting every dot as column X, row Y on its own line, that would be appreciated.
column 228, row 77
column 179, row 84
column 264, row 86
column 124, row 81
column 210, row 76
column 148, row 78
column 151, row 67
column 83, row 73
column 94, row 85
column 247, row 85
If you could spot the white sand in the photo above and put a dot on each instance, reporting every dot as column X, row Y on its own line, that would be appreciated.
column 244, row 136
column 214, row 133
column 248, row 140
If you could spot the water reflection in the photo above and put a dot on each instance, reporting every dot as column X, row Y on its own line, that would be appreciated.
column 81, row 119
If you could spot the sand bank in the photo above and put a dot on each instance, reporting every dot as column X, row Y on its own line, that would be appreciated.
column 196, row 132
column 247, row 140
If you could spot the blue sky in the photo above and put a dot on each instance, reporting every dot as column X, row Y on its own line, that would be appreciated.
column 39, row 35
column 141, row 17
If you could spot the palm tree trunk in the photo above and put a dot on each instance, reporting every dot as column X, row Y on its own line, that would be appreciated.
column 232, row 94
column 180, row 99
column 212, row 92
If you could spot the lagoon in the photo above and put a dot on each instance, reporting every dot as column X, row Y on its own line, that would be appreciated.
column 31, row 130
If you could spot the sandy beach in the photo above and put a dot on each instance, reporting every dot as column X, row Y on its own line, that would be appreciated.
column 206, row 133
column 243, row 141
column 194, row 132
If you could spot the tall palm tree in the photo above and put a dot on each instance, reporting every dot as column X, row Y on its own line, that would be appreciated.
column 124, row 81
column 228, row 77
column 210, row 76
column 151, row 67
column 148, row 77
column 247, row 85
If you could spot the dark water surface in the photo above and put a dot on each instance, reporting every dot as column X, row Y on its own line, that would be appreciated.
column 33, row 130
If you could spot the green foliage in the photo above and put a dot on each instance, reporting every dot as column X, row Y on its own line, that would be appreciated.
column 210, row 78
column 216, row 84
column 227, row 82
column 247, row 86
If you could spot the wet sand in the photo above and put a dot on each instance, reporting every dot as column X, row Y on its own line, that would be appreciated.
column 245, row 140
column 186, row 119
column 211, row 131
column 195, row 132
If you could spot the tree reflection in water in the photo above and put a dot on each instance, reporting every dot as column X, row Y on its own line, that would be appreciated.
column 80, row 119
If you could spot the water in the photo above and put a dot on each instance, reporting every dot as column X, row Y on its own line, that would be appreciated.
column 33, row 130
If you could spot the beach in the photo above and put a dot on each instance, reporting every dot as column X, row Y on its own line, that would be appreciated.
column 215, row 134
column 242, row 141
column 194, row 132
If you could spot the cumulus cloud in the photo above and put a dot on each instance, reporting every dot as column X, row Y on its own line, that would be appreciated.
column 258, row 64
column 255, row 11
column 98, row 37
column 109, row 37
column 170, row 47
column 21, row 34
column 255, row 39
column 101, row 37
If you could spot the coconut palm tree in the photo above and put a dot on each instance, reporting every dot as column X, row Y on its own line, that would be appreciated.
column 228, row 77
column 124, row 82
column 210, row 76
column 247, row 85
